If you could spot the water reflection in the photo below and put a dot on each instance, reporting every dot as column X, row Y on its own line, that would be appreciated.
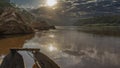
column 1, row 58
column 51, row 35
column 70, row 48
column 74, row 49
column 51, row 48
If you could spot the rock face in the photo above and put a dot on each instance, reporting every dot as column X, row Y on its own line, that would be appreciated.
column 12, row 22
column 42, row 25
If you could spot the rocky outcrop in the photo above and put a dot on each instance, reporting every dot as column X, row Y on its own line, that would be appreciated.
column 12, row 22
column 42, row 25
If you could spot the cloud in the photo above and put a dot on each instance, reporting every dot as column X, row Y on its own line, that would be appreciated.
column 27, row 3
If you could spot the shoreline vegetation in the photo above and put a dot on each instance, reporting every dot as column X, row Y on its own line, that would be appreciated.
column 100, row 25
column 107, row 20
column 101, row 30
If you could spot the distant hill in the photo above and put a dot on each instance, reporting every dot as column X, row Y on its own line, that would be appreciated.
column 99, row 20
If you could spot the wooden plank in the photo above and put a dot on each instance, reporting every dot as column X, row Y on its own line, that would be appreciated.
column 25, row 49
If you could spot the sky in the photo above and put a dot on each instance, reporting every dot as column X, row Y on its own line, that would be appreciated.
column 28, row 3
column 37, row 3
column 77, row 7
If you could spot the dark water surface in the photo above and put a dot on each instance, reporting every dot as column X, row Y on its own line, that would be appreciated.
column 69, row 48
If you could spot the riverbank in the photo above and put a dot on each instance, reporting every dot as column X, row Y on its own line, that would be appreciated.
column 101, row 30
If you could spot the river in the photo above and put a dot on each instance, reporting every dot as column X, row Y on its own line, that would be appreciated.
column 68, row 47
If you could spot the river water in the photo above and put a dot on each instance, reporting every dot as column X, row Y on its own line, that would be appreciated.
column 68, row 47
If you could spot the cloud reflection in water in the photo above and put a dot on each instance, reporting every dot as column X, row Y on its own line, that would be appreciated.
column 73, row 49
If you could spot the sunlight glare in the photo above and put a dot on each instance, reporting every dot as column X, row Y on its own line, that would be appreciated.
column 52, row 48
column 51, row 35
column 51, row 2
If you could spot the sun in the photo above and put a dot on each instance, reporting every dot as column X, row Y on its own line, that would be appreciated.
column 51, row 2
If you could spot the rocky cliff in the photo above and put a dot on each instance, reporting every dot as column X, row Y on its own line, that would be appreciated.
column 12, row 22
column 42, row 25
